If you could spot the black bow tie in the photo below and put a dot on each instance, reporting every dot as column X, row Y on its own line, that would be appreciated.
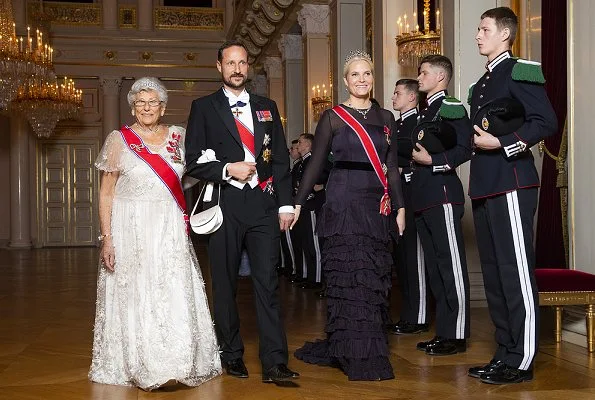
column 239, row 104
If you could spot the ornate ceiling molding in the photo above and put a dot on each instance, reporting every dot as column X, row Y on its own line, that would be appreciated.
column 257, row 21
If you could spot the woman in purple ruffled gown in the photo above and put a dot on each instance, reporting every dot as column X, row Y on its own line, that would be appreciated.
column 356, row 259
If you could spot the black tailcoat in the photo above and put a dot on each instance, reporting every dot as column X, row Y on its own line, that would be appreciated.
column 250, row 218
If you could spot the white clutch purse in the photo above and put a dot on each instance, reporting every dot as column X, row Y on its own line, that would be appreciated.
column 209, row 220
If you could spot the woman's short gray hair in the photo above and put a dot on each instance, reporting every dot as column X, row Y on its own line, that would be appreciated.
column 144, row 84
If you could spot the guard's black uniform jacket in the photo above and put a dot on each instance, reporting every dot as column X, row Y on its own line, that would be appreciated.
column 296, row 175
column 405, row 124
column 438, row 184
column 495, row 172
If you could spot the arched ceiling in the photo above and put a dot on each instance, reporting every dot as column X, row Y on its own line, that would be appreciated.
column 258, row 24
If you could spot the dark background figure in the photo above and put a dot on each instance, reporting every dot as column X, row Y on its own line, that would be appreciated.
column 287, row 265
column 299, row 270
column 305, row 228
column 408, row 255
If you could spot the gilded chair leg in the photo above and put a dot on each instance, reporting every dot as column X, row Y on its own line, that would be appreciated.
column 558, row 329
column 591, row 328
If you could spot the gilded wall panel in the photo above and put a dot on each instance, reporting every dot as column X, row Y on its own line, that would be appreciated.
column 194, row 18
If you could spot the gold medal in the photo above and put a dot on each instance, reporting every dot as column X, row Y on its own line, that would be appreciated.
column 485, row 124
column 266, row 155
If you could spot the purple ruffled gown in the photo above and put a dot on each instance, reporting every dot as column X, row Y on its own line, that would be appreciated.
column 355, row 256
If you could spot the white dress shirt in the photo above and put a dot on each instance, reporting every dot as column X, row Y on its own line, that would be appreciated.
column 246, row 118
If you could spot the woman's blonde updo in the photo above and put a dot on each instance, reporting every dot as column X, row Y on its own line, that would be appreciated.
column 357, row 55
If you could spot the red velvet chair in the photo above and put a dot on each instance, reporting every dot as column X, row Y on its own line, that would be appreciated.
column 564, row 287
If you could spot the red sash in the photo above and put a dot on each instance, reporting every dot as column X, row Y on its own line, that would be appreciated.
column 371, row 152
column 161, row 167
column 247, row 138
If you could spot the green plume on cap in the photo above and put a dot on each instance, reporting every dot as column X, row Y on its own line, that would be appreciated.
column 470, row 93
column 528, row 71
column 452, row 108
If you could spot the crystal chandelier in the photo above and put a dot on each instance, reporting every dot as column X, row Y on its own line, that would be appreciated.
column 46, row 103
column 21, row 59
column 416, row 44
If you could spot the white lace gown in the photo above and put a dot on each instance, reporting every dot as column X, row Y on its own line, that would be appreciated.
column 152, row 321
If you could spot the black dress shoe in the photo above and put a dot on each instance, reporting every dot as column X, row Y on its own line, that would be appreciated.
column 423, row 345
column 236, row 368
column 446, row 347
column 321, row 293
column 506, row 375
column 406, row 328
column 278, row 373
column 494, row 365
column 296, row 279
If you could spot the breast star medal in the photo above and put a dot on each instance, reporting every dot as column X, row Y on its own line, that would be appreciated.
column 266, row 155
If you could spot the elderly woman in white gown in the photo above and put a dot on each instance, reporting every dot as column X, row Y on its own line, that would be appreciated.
column 152, row 323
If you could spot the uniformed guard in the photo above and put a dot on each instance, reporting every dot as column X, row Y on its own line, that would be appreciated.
column 409, row 258
column 287, row 251
column 503, row 188
column 299, row 265
column 438, row 201
column 305, row 228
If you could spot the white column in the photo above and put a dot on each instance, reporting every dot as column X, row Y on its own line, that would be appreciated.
column 258, row 85
column 291, row 48
column 386, row 68
column 110, row 87
column 348, row 30
column 20, row 225
column 314, row 20
column 144, row 12
column 110, row 14
column 580, row 134
column 274, row 71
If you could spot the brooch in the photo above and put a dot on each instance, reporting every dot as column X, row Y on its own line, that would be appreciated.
column 173, row 147
column 267, row 139
column 387, row 134
column 266, row 155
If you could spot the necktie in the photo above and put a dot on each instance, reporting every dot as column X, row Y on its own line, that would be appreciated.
column 238, row 104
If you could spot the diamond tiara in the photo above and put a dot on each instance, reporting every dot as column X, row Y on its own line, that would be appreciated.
column 149, row 84
column 357, row 54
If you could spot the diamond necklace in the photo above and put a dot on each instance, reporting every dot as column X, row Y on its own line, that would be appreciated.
column 149, row 130
column 362, row 112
